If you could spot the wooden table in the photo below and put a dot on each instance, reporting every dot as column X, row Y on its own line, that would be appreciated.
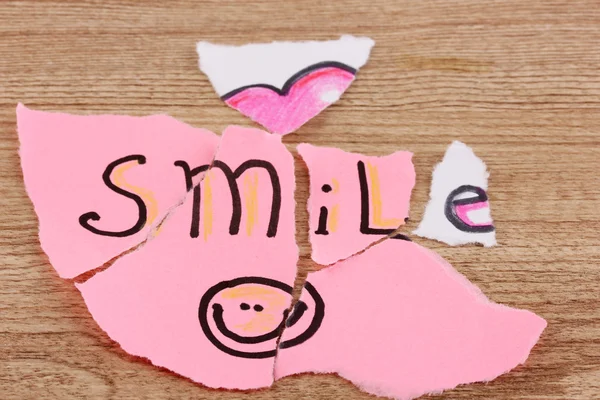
column 519, row 81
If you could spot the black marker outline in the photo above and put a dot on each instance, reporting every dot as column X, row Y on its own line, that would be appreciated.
column 189, row 175
column 232, row 177
column 323, row 214
column 212, row 291
column 450, row 208
column 401, row 236
column 297, row 312
column 285, row 90
column 365, row 227
column 315, row 324
column 143, row 212
column 322, row 227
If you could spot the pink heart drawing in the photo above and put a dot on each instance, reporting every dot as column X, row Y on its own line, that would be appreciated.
column 303, row 96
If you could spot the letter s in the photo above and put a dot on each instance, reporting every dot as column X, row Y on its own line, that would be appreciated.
column 85, row 218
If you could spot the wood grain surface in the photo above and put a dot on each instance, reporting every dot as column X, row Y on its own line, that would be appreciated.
column 517, row 80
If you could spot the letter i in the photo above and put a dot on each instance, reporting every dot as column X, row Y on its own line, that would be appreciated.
column 323, row 214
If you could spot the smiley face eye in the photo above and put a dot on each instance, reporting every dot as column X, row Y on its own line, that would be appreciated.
column 246, row 306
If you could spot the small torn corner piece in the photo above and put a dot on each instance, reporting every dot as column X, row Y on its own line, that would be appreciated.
column 399, row 321
column 355, row 200
column 458, row 211
column 282, row 85
column 100, row 183
column 207, row 298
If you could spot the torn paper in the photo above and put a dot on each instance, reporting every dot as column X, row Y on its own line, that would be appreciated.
column 207, row 298
column 458, row 211
column 281, row 85
column 100, row 183
column 354, row 200
column 400, row 322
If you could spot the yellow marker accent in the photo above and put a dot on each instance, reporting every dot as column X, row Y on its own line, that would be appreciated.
column 336, row 185
column 118, row 178
column 207, row 217
column 376, row 206
column 251, row 201
column 263, row 322
column 270, row 295
column 333, row 219
column 273, row 301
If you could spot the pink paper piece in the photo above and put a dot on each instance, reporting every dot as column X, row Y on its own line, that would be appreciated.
column 355, row 200
column 70, row 163
column 400, row 322
column 207, row 297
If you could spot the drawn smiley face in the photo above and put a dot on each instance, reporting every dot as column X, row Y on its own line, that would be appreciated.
column 244, row 317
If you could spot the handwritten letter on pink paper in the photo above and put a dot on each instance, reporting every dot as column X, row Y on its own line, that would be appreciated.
column 355, row 200
column 100, row 183
column 207, row 297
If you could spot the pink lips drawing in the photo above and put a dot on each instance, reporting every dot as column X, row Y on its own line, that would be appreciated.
column 304, row 95
column 462, row 203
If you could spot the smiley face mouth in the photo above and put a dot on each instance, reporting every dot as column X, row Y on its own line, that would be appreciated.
column 213, row 323
column 464, row 202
